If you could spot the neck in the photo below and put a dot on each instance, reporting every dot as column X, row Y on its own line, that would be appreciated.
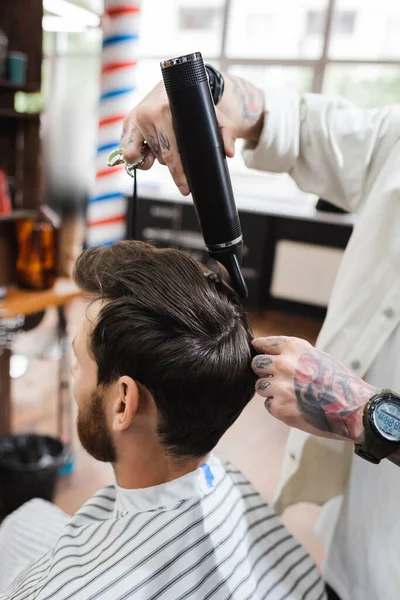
column 146, row 467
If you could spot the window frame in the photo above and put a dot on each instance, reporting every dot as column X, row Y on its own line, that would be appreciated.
column 319, row 65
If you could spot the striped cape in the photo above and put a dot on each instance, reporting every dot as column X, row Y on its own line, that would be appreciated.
column 207, row 535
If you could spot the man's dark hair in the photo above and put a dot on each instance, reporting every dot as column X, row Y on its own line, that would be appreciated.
column 174, row 330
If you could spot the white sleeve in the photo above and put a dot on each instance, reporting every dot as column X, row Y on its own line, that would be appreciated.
column 329, row 146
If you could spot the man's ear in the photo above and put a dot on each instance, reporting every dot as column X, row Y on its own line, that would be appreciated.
column 125, row 404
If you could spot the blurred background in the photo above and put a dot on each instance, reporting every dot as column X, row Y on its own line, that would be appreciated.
column 346, row 47
column 69, row 72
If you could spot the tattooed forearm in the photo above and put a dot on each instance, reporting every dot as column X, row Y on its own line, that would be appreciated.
column 330, row 397
column 250, row 99
column 165, row 143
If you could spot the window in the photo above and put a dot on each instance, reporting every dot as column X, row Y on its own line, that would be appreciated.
column 175, row 27
column 315, row 22
column 199, row 18
column 272, row 43
column 291, row 78
column 371, row 28
column 366, row 85
column 280, row 44
column 266, row 29
column 343, row 22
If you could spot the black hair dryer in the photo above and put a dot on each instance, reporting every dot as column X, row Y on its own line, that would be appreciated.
column 202, row 151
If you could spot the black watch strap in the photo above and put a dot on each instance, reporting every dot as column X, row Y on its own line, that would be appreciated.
column 216, row 82
column 374, row 448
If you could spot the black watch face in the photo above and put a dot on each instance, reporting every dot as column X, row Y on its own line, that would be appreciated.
column 386, row 418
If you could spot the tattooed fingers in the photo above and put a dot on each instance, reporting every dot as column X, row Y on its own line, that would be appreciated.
column 262, row 385
column 263, row 388
column 267, row 403
column 169, row 155
column 272, row 345
column 263, row 365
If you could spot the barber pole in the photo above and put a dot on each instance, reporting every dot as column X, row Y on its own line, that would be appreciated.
column 106, row 212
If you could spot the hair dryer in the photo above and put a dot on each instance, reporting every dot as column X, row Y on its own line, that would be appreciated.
column 202, row 152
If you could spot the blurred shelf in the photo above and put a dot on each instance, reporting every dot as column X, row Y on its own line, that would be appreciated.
column 9, row 113
column 19, row 87
column 18, row 214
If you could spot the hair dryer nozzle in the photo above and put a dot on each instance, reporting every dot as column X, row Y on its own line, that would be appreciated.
column 231, row 259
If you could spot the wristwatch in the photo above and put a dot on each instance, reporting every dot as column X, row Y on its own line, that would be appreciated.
column 381, row 421
column 216, row 82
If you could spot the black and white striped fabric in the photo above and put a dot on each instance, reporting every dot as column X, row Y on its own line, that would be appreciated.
column 206, row 535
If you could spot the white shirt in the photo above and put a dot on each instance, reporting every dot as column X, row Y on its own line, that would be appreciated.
column 363, row 559
column 205, row 535
column 350, row 157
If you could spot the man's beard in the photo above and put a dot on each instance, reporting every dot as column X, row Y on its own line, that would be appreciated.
column 93, row 431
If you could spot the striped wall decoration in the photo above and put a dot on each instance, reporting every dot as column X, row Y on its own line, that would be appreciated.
column 107, row 205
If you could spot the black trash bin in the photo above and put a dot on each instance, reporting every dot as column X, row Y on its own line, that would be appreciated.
column 29, row 468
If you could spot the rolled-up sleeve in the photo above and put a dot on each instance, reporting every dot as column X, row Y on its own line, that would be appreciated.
column 329, row 146
column 278, row 148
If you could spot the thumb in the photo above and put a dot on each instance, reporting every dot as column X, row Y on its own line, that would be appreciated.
column 229, row 133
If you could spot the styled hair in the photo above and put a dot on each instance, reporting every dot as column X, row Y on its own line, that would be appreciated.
column 178, row 332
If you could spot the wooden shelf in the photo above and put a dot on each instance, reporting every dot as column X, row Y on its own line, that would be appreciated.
column 19, row 87
column 20, row 139
column 9, row 113
column 19, row 214
column 27, row 302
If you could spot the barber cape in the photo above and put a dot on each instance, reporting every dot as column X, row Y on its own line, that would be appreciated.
column 205, row 535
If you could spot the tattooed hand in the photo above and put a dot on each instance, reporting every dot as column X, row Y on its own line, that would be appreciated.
column 308, row 389
column 240, row 111
column 151, row 121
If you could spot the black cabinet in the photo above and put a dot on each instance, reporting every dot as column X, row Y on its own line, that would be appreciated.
column 172, row 224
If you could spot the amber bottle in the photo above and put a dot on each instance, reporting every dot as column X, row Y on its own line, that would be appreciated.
column 38, row 250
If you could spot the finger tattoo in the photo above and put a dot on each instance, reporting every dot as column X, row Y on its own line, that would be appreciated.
column 267, row 403
column 263, row 385
column 132, row 135
column 153, row 144
column 262, row 361
column 123, row 134
column 278, row 342
column 165, row 143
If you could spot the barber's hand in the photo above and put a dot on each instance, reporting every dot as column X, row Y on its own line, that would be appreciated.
column 308, row 389
column 151, row 120
column 240, row 111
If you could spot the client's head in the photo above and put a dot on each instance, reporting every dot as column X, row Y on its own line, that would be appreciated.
column 163, row 358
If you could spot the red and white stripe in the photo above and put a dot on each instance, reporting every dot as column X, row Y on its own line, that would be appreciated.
column 107, row 205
